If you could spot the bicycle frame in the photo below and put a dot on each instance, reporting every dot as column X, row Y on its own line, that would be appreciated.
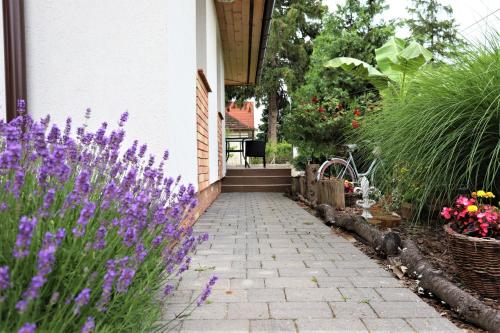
column 351, row 163
column 358, row 175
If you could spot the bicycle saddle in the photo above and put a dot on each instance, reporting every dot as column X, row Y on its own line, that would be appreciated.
column 351, row 146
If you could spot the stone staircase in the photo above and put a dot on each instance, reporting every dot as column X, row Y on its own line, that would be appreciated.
column 257, row 180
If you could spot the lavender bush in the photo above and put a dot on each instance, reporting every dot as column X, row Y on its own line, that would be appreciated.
column 89, row 236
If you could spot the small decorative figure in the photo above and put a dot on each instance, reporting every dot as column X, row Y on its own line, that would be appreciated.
column 366, row 202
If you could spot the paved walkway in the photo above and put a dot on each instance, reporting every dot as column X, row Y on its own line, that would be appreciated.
column 281, row 269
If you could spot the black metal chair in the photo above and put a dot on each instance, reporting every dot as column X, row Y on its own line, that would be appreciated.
column 255, row 148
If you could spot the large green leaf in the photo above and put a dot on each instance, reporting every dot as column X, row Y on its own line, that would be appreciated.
column 412, row 58
column 387, row 55
column 360, row 69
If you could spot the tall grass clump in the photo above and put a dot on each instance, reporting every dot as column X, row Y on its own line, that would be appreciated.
column 443, row 136
column 90, row 235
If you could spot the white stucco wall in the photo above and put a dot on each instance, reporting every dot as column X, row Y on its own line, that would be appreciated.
column 118, row 55
column 212, row 76
column 3, row 102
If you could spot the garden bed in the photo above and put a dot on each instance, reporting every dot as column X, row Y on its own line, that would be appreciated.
column 430, row 243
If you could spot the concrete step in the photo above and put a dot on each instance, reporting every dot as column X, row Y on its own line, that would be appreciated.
column 282, row 188
column 259, row 172
column 256, row 180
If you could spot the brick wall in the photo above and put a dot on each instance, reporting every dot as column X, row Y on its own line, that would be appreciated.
column 202, row 90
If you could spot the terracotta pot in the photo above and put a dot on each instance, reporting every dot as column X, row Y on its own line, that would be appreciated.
column 407, row 211
column 477, row 261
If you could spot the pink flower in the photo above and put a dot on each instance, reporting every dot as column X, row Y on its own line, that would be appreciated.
column 446, row 213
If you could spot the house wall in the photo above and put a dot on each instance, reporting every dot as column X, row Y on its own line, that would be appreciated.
column 3, row 102
column 115, row 56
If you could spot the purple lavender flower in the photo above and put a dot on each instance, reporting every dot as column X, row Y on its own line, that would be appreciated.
column 82, row 299
column 85, row 215
column 89, row 325
column 100, row 242
column 123, row 119
column 23, row 240
column 49, row 198
column 54, row 134
column 168, row 289
column 27, row 328
column 140, row 252
column 107, row 286
column 165, row 155
column 21, row 306
column 125, row 279
column 142, row 150
column 67, row 129
column 4, row 278
column 207, row 291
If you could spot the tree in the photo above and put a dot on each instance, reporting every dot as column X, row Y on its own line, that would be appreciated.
column 295, row 23
column 325, row 105
column 433, row 25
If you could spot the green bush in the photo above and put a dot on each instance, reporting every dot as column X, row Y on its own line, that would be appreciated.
column 444, row 134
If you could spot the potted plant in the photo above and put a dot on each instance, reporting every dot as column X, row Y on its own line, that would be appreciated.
column 473, row 234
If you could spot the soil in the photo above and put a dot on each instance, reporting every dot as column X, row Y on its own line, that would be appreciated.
column 429, row 237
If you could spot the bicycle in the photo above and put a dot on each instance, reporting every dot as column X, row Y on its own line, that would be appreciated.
column 346, row 169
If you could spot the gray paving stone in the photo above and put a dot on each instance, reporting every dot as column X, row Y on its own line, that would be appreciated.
column 247, row 311
column 295, row 310
column 271, row 264
column 398, row 294
column 266, row 295
column 246, row 283
column 312, row 294
column 330, row 325
column 233, row 326
column 272, row 325
column 262, row 273
column 301, row 272
column 333, row 271
column 387, row 325
column 333, row 281
column 209, row 311
column 359, row 294
column 200, row 283
column 352, row 310
column 228, row 296
column 403, row 310
column 433, row 325
column 290, row 282
column 375, row 281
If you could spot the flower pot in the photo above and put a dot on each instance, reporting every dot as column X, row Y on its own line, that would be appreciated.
column 477, row 261
column 407, row 211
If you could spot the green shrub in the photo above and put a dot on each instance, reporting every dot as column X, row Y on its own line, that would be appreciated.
column 444, row 133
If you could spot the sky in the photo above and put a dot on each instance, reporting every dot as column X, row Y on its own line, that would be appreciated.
column 473, row 17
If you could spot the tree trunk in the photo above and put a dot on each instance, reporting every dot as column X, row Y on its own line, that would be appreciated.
column 272, row 118
column 430, row 279
column 387, row 244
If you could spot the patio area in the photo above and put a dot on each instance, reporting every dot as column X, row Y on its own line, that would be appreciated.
column 281, row 269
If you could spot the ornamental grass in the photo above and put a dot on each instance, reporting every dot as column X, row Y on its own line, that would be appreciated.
column 443, row 136
column 90, row 235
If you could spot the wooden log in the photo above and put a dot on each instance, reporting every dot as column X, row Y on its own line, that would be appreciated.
column 384, row 243
column 311, row 183
column 302, row 185
column 468, row 307
column 331, row 192
column 295, row 186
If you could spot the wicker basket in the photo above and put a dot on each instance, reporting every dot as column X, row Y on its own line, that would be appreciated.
column 477, row 261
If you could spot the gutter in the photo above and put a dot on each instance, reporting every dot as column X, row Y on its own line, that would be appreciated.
column 264, row 34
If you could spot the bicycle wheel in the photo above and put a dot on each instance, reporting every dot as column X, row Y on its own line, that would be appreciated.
column 336, row 168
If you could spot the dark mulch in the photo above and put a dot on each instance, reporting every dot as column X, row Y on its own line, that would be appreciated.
column 431, row 242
